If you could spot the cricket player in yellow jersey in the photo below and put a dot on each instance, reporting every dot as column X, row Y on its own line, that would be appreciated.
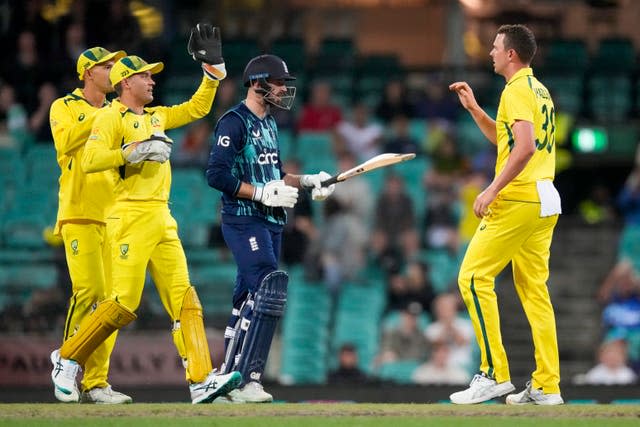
column 519, row 211
column 83, row 200
column 128, row 141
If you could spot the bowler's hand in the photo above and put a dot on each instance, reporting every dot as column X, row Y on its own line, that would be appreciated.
column 482, row 202
column 465, row 94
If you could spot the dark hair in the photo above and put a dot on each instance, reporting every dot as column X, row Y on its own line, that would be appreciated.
column 521, row 39
column 118, row 88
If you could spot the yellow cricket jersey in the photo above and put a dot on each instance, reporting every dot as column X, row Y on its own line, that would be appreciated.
column 525, row 98
column 81, row 196
column 117, row 125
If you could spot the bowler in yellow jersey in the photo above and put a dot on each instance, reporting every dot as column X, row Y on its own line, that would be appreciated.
column 518, row 212
column 83, row 200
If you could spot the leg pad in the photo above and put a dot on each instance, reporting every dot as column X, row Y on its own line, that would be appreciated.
column 109, row 316
column 196, row 346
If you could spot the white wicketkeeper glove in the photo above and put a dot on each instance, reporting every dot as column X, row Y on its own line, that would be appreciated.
column 314, row 183
column 156, row 148
column 276, row 193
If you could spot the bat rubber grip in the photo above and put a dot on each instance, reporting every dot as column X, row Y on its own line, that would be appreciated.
column 330, row 181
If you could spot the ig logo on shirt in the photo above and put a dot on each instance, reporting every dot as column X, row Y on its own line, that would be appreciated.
column 223, row 140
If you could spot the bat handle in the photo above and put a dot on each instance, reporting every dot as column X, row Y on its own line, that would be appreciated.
column 330, row 181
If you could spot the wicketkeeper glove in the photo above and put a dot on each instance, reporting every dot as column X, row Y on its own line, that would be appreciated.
column 276, row 193
column 314, row 183
column 157, row 148
column 205, row 46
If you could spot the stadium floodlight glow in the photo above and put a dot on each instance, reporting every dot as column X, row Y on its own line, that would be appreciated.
column 590, row 140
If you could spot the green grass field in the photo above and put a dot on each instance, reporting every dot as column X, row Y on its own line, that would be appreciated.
column 318, row 415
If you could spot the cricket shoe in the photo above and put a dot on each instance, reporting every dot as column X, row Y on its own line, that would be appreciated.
column 533, row 396
column 213, row 386
column 104, row 395
column 481, row 389
column 252, row 392
column 64, row 374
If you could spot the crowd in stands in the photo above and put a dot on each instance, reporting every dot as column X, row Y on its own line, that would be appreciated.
column 413, row 227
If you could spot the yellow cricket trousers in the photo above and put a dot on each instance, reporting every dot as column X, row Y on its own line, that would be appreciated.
column 512, row 232
column 88, row 259
column 145, row 234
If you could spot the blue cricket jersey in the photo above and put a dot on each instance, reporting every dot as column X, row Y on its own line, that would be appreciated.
column 245, row 149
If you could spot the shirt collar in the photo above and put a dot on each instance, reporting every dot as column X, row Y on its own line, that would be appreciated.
column 527, row 71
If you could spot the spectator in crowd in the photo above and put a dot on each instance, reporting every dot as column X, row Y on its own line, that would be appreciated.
column 39, row 119
column 350, row 192
column 471, row 186
column 395, row 102
column 193, row 149
column 73, row 44
column 340, row 247
column 412, row 285
column 612, row 366
column 113, row 24
column 598, row 207
column 300, row 230
column 320, row 114
column 226, row 97
column 400, row 140
column 620, row 291
column 629, row 205
column 395, row 222
column 25, row 72
column 436, row 102
column 405, row 342
column 14, row 119
column 451, row 330
column 360, row 135
column 348, row 371
column 438, row 369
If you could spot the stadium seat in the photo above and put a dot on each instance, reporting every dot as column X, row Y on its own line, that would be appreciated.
column 566, row 54
column 293, row 51
column 614, row 54
column 305, row 332
column 566, row 91
column 215, row 287
column 610, row 97
column 398, row 372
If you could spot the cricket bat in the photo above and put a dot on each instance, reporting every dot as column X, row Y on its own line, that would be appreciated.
column 379, row 161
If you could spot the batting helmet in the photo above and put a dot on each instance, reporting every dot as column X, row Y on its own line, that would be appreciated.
column 270, row 67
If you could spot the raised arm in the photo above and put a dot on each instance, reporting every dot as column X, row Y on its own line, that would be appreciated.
column 486, row 124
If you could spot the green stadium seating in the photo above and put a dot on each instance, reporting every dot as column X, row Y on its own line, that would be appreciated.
column 305, row 332
column 610, row 97
column 566, row 91
column 392, row 320
column 614, row 54
column 293, row 51
column 238, row 52
column 214, row 284
column 398, row 372
column 566, row 54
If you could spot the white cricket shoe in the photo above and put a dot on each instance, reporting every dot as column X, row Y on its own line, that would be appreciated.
column 213, row 386
column 64, row 374
column 104, row 395
column 481, row 389
column 252, row 392
column 532, row 396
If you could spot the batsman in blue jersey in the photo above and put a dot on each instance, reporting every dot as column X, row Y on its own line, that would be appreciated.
column 245, row 166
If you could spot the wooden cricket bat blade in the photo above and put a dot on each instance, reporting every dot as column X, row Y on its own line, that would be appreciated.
column 379, row 161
